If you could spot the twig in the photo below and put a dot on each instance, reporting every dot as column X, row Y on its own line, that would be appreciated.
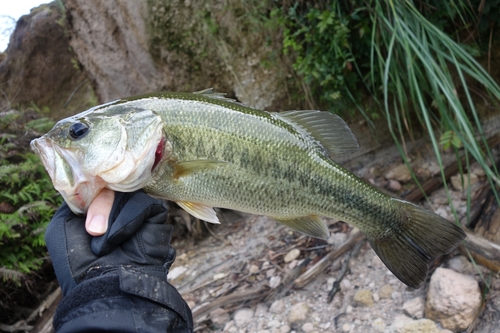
column 343, row 271
column 245, row 295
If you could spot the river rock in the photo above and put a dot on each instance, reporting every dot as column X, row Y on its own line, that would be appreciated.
column 242, row 317
column 400, row 173
column 385, row 291
column 363, row 297
column 453, row 299
column 292, row 255
column 298, row 313
column 468, row 180
column 278, row 306
column 414, row 308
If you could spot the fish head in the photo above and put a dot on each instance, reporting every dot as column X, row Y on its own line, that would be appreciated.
column 112, row 146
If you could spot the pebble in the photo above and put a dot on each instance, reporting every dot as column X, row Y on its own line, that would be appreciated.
column 376, row 297
column 278, row 306
column 274, row 282
column 292, row 255
column 274, row 323
column 298, row 312
column 285, row 329
column 414, row 308
column 419, row 326
column 385, row 291
column 253, row 269
column 400, row 173
column 394, row 185
column 460, row 264
column 468, row 179
column 379, row 324
column 243, row 316
column 453, row 299
column 346, row 327
column 308, row 327
column 219, row 317
column 363, row 297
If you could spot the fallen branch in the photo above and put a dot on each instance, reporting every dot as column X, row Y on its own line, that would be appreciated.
column 484, row 252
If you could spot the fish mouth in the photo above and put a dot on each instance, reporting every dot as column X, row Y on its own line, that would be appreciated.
column 77, row 189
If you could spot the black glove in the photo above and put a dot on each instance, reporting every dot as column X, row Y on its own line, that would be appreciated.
column 131, row 259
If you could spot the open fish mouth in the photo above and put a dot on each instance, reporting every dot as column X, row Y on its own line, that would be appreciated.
column 68, row 178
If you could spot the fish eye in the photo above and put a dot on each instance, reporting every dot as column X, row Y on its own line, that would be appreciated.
column 78, row 130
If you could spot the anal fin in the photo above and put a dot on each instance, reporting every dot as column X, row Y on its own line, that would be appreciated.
column 199, row 211
column 311, row 225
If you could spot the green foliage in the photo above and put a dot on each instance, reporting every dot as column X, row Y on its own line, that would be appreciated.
column 415, row 60
column 322, row 39
column 27, row 203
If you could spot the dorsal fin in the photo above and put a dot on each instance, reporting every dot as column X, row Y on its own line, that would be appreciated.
column 327, row 128
column 216, row 95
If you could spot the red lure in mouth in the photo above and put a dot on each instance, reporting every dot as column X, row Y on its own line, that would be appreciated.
column 158, row 153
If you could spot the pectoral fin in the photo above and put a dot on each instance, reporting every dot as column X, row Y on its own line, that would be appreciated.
column 200, row 211
column 310, row 225
column 185, row 168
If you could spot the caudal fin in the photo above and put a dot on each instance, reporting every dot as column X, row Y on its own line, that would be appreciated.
column 412, row 247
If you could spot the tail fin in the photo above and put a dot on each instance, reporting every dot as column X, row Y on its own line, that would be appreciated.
column 421, row 238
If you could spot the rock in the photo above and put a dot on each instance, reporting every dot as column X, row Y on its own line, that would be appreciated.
column 145, row 46
column 285, row 329
column 219, row 317
column 419, row 326
column 453, row 299
column 273, row 323
column 242, row 317
column 307, row 327
column 298, row 312
column 274, row 282
column 414, row 308
column 400, row 173
column 379, row 325
column 385, row 291
column 253, row 269
column 468, row 180
column 278, row 306
column 292, row 255
column 337, row 239
column 394, row 185
column 363, row 297
column 40, row 67
column 460, row 264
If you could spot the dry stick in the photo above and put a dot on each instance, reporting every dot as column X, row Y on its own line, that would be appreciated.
column 240, row 296
column 343, row 271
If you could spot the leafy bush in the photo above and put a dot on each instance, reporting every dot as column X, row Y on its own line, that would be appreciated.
column 27, row 198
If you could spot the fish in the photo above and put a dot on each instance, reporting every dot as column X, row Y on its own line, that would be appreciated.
column 203, row 150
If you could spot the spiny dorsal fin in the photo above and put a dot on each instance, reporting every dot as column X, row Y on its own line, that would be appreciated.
column 327, row 128
column 210, row 93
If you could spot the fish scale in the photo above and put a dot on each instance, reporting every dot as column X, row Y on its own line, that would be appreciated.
column 214, row 152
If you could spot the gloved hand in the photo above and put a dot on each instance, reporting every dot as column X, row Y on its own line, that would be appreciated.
column 132, row 257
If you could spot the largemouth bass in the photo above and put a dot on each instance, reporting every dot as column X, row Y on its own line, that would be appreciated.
column 202, row 150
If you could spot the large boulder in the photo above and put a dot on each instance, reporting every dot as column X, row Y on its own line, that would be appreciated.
column 40, row 68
